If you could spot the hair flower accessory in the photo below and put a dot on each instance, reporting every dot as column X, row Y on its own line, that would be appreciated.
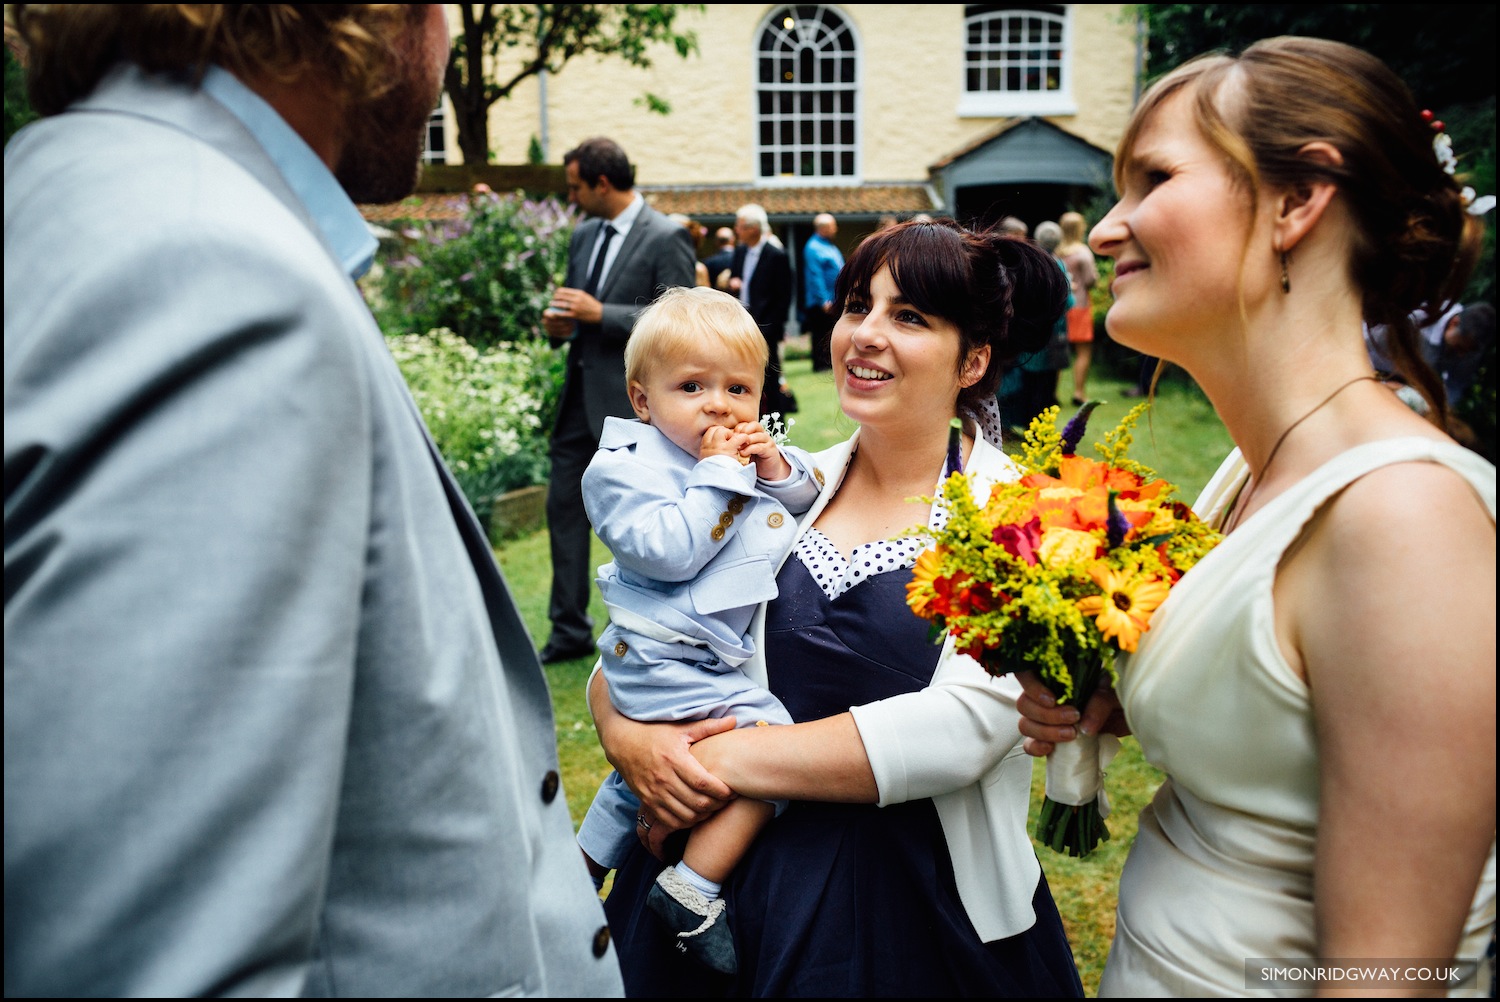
column 1442, row 149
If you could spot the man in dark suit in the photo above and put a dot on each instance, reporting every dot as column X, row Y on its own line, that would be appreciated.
column 761, row 276
column 620, row 260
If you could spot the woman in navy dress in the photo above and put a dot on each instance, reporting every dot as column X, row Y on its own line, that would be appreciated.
column 902, row 866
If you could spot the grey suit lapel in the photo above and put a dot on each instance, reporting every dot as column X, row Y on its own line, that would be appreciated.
column 578, row 257
column 638, row 233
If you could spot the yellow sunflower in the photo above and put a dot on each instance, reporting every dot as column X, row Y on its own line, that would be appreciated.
column 1124, row 611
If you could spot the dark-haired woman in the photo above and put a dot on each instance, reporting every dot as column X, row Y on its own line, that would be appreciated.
column 903, row 866
column 1320, row 689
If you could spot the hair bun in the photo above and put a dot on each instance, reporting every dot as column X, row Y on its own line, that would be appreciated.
column 1038, row 289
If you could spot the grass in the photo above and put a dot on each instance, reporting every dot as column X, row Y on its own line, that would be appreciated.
column 1184, row 441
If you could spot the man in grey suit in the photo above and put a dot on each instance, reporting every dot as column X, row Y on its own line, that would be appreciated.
column 272, row 723
column 620, row 260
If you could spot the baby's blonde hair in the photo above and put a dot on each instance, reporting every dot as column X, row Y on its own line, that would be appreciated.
column 682, row 319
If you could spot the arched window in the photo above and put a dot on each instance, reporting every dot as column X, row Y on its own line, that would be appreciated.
column 1016, row 60
column 807, row 91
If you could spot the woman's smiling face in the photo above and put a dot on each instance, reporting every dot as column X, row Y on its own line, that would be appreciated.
column 1178, row 237
column 895, row 363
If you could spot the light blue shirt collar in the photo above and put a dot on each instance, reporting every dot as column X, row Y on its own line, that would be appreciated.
column 335, row 216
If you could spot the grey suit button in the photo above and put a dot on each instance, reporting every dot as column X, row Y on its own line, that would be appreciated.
column 601, row 941
column 549, row 787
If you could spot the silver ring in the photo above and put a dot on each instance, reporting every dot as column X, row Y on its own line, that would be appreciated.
column 640, row 819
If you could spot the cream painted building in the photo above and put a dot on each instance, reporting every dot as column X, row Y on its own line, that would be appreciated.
column 865, row 110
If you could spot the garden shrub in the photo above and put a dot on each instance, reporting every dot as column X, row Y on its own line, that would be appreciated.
column 486, row 277
column 490, row 410
column 460, row 303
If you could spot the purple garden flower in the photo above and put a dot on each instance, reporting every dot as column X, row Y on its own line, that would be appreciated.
column 1116, row 526
column 1073, row 431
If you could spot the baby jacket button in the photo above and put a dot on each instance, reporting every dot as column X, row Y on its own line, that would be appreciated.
column 774, row 520
column 621, row 649
column 726, row 519
column 736, row 505
column 818, row 476
column 717, row 533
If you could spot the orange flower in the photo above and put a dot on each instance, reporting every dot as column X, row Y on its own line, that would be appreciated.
column 1124, row 611
column 922, row 588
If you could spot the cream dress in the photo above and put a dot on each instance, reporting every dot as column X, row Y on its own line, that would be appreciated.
column 1222, row 869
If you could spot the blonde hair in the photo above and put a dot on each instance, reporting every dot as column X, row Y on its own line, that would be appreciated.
column 1074, row 226
column 70, row 47
column 682, row 319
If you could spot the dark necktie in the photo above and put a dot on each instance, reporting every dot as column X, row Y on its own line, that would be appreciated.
column 592, row 285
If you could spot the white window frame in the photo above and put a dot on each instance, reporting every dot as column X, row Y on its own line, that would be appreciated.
column 856, row 117
column 437, row 120
column 1010, row 104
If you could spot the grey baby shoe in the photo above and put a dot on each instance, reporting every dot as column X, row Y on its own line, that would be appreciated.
column 701, row 928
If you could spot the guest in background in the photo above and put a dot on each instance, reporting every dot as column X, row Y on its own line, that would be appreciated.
column 761, row 277
column 696, row 230
column 1013, row 226
column 719, row 261
column 620, row 259
column 821, row 263
column 1074, row 253
column 1040, row 370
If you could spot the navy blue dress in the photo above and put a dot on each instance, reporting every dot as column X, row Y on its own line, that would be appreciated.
column 844, row 900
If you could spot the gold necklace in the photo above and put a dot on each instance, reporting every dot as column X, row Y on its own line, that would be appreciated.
column 1242, row 501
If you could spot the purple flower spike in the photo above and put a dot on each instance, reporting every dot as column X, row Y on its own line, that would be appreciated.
column 1073, row 431
column 1116, row 526
column 955, row 463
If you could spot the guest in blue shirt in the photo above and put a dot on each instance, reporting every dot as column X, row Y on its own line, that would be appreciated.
column 821, row 263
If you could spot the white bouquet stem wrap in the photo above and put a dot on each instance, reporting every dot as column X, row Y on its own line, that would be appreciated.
column 1075, row 771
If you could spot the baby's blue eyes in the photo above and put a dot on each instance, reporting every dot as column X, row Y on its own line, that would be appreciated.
column 691, row 386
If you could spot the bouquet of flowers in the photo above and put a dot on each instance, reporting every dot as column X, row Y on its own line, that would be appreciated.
column 1057, row 573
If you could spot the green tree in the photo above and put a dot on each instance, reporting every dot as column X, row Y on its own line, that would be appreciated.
column 18, row 110
column 544, row 36
column 1444, row 52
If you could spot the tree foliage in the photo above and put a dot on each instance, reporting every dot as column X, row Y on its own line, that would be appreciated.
column 1444, row 52
column 503, row 44
column 18, row 110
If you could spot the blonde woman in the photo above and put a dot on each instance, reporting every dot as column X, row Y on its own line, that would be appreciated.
column 1320, row 690
column 1079, row 260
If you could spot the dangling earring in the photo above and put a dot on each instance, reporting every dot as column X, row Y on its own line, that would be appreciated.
column 1286, row 281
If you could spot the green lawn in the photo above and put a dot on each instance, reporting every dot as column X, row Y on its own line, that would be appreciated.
column 1184, row 441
